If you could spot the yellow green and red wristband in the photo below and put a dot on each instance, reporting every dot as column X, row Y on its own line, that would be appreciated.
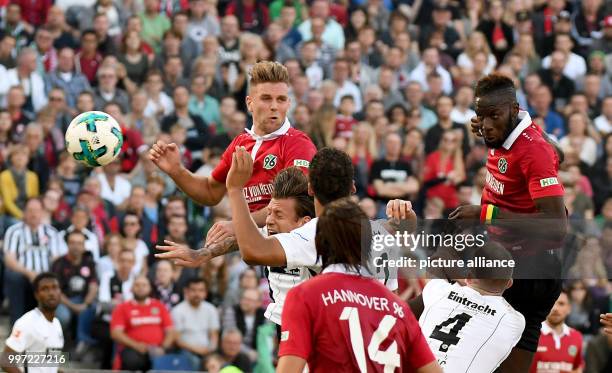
column 488, row 213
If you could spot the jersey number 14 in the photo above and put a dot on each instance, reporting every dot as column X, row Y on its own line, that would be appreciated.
column 450, row 338
column 389, row 358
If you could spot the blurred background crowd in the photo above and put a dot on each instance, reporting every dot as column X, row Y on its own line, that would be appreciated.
column 388, row 81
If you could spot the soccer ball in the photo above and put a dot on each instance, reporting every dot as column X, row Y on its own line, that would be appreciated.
column 94, row 138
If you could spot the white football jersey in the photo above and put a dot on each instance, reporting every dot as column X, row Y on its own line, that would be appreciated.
column 468, row 332
column 33, row 333
column 301, row 253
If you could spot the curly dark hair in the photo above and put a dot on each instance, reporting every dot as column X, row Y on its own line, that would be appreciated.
column 498, row 83
column 331, row 175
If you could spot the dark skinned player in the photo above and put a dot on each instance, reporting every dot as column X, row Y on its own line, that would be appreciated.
column 522, row 195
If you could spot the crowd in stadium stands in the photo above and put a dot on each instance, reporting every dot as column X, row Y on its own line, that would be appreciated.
column 388, row 81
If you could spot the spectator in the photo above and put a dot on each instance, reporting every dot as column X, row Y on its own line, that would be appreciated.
column 575, row 65
column 554, row 77
column 202, row 21
column 247, row 316
column 63, row 114
column 165, row 287
column 173, row 73
column 135, row 204
column 598, row 355
column 442, row 24
column 65, row 78
column 229, row 41
column 18, row 184
column 540, row 103
column 88, row 58
column 587, row 23
column 38, row 164
column 603, row 123
column 79, row 221
column 109, row 258
column 498, row 33
column 363, row 150
column 556, row 333
column 200, row 103
column 413, row 151
column 197, row 323
column 390, row 177
column 159, row 103
column 130, row 232
column 444, row 107
column 26, row 76
column 134, row 59
column 101, row 26
column 108, row 91
column 585, row 312
column 215, row 273
column 252, row 15
column 46, row 59
column 333, row 33
column 137, row 120
column 274, row 38
column 444, row 170
column 78, row 282
column 142, row 328
column 114, row 187
column 7, row 45
column 430, row 63
column 14, row 25
column 578, row 138
column 231, row 345
column 29, row 249
column 197, row 130
column 59, row 29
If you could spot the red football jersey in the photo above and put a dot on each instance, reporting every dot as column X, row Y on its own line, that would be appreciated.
column 271, row 154
column 558, row 354
column 342, row 322
column 142, row 322
column 525, row 168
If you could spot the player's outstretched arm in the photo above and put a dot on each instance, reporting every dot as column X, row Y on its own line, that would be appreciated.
column 184, row 256
column 290, row 364
column 255, row 249
column 204, row 190
column 400, row 216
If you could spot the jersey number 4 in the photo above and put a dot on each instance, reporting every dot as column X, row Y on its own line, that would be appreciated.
column 447, row 334
column 389, row 358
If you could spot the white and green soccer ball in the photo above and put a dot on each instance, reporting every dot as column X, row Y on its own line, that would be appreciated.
column 94, row 138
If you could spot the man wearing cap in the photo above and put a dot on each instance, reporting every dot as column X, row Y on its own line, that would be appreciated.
column 441, row 20
column 561, row 23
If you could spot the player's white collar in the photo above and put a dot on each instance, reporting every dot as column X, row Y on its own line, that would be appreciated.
column 546, row 329
column 340, row 268
column 279, row 132
column 523, row 124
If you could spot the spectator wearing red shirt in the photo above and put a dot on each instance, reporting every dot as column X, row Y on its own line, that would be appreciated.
column 345, row 120
column 89, row 59
column 34, row 11
column 560, row 347
column 142, row 327
column 133, row 145
column 253, row 15
column 444, row 170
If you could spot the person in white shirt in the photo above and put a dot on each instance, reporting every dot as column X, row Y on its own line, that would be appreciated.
column 462, row 112
column 114, row 187
column 38, row 331
column 603, row 123
column 575, row 66
column 472, row 328
column 430, row 63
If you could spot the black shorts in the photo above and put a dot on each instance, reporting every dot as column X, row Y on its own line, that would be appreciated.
column 534, row 299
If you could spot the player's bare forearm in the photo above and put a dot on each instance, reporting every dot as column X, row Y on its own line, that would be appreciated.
column 291, row 364
column 228, row 245
column 9, row 351
column 204, row 190
column 255, row 249
column 551, row 219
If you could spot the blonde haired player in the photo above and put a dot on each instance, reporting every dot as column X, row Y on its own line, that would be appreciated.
column 272, row 143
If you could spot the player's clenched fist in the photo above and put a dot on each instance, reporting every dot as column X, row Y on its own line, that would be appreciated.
column 241, row 170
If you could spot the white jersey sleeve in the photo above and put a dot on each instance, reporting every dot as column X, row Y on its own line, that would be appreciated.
column 468, row 331
column 299, row 245
column 20, row 338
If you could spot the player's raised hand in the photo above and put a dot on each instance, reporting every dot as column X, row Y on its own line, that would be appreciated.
column 180, row 254
column 476, row 125
column 166, row 156
column 219, row 231
column 606, row 321
column 241, row 170
column 400, row 210
column 466, row 212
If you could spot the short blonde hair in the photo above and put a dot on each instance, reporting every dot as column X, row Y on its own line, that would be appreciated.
column 269, row 72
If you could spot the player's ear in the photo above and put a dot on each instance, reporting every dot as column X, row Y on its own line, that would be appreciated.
column 310, row 190
column 249, row 103
column 510, row 283
column 515, row 109
column 353, row 188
